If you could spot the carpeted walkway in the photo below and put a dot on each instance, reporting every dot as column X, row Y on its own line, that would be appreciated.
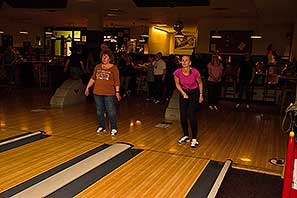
column 246, row 184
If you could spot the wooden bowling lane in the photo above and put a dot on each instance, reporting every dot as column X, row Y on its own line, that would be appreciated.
column 150, row 174
column 27, row 161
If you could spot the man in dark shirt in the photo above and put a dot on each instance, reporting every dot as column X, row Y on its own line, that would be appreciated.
column 9, row 63
column 75, row 65
column 245, row 77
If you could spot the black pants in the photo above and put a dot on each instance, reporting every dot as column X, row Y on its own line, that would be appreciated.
column 244, row 90
column 188, row 110
column 158, row 87
column 151, row 86
column 213, row 92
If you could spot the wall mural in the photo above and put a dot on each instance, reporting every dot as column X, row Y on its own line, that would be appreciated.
column 186, row 42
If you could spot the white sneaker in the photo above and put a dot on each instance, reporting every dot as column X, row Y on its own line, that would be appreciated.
column 194, row 143
column 215, row 107
column 101, row 130
column 113, row 132
column 183, row 139
column 210, row 107
column 157, row 101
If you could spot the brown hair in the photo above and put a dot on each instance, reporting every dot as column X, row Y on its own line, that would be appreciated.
column 110, row 55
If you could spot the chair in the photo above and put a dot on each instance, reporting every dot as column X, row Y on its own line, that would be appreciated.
column 141, row 86
column 287, row 97
column 229, row 87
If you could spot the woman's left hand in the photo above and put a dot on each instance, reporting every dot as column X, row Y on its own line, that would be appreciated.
column 118, row 96
column 201, row 99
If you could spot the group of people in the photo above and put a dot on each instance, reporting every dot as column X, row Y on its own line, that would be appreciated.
column 244, row 78
column 105, row 81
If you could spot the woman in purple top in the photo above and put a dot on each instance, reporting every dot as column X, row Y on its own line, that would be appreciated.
column 188, row 83
column 215, row 72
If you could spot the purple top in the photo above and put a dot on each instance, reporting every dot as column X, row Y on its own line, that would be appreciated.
column 190, row 81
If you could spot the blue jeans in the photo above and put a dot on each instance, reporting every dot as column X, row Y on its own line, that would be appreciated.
column 106, row 104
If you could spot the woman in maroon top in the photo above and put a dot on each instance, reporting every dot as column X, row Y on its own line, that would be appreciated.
column 106, row 83
column 215, row 72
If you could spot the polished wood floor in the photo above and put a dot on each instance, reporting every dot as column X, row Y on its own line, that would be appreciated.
column 163, row 169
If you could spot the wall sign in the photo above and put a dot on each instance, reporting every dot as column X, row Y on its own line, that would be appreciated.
column 231, row 42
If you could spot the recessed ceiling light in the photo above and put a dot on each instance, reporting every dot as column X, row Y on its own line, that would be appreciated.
column 114, row 10
column 111, row 15
column 24, row 32
column 216, row 36
column 256, row 36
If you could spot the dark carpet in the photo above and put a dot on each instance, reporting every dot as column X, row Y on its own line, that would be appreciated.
column 245, row 184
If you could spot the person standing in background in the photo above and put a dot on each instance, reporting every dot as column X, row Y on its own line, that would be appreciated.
column 150, row 77
column 215, row 72
column 126, row 67
column 245, row 77
column 9, row 61
column 75, row 65
column 106, row 83
column 188, row 82
column 169, row 85
column 159, row 76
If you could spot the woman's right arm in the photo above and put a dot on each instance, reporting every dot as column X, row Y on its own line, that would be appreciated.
column 179, row 88
column 90, row 84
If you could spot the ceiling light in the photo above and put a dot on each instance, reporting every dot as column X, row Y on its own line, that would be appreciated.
column 256, row 36
column 111, row 15
column 53, row 37
column 144, row 35
column 24, row 32
column 216, row 36
column 1, row 32
column 114, row 10
column 142, row 40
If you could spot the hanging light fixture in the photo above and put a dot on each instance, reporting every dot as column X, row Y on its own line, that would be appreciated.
column 216, row 35
column 48, row 31
column 255, row 34
column 53, row 37
column 141, row 40
column 24, row 32
column 1, row 32
column 145, row 33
